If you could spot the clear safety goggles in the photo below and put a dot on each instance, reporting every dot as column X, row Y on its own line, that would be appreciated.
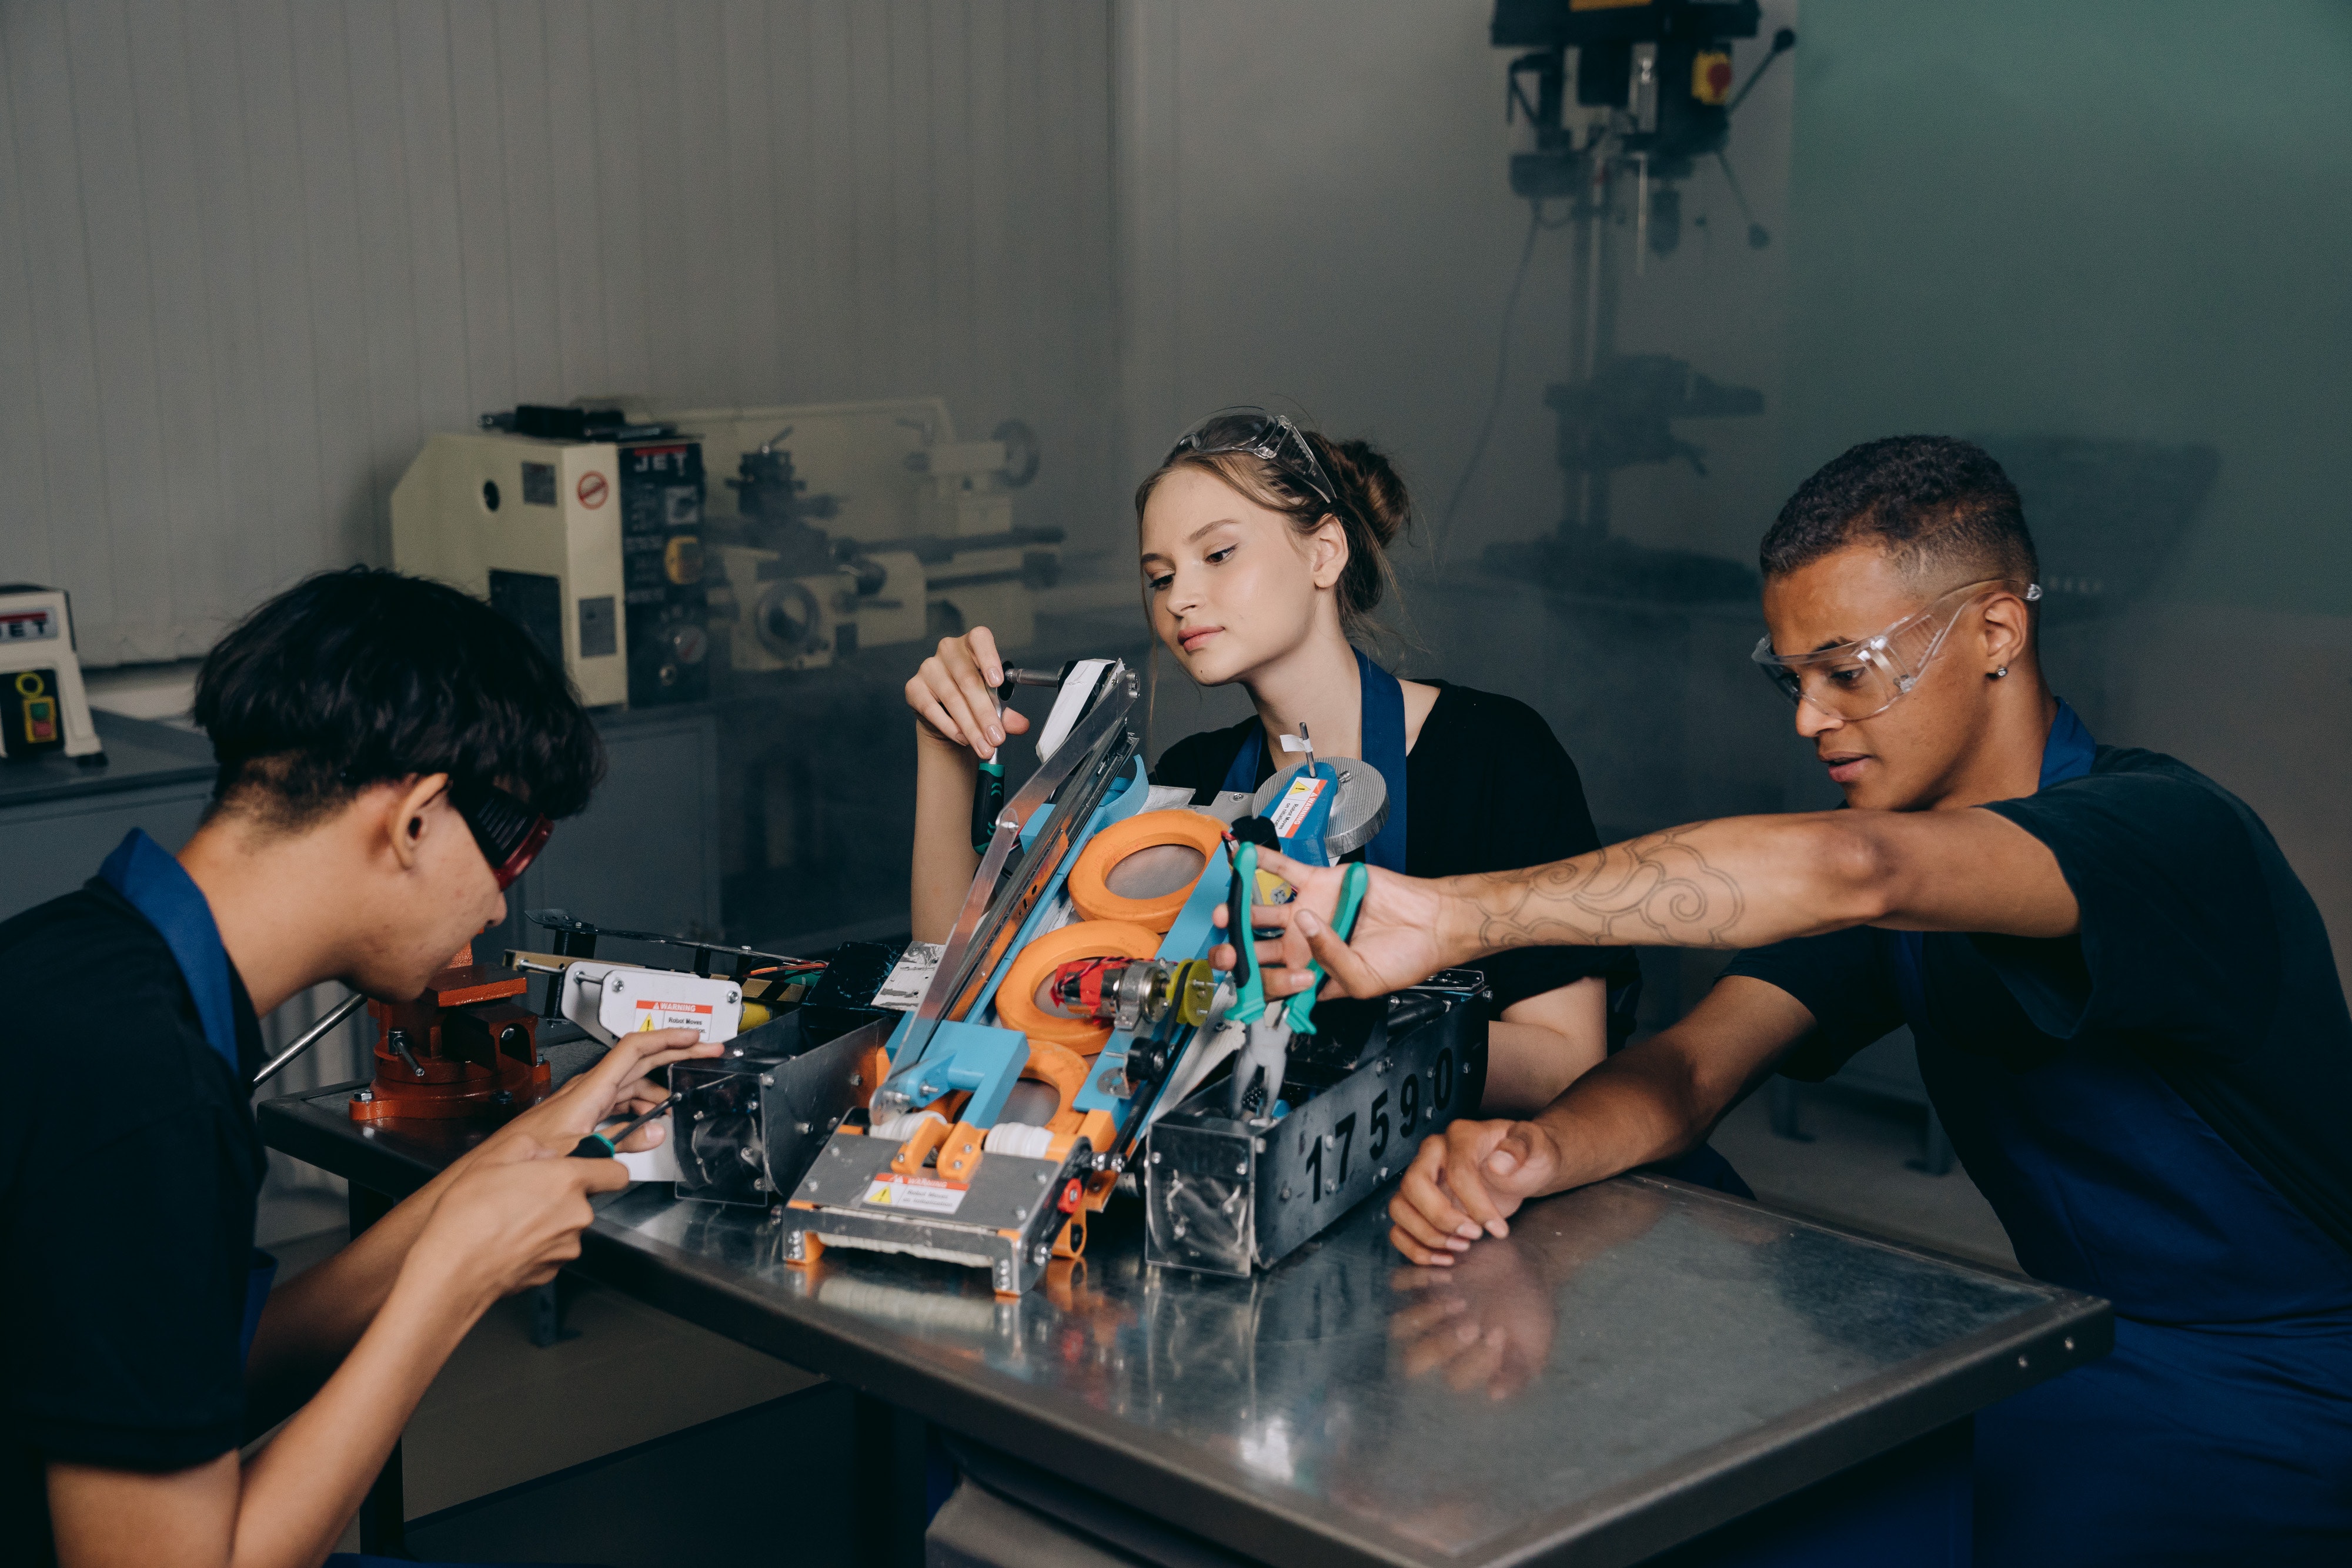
column 1262, row 433
column 1864, row 678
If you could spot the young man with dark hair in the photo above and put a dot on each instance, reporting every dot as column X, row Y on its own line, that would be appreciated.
column 2127, row 1012
column 391, row 753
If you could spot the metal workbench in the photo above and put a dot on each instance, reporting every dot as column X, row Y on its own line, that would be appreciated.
column 1649, row 1361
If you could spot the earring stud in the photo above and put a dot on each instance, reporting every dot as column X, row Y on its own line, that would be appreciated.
column 1997, row 674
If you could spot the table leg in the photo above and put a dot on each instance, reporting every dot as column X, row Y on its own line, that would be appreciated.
column 384, row 1516
column 1788, row 1115
column 1935, row 1149
column 891, row 1469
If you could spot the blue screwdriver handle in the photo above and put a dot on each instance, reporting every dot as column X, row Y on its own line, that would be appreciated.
column 1343, row 924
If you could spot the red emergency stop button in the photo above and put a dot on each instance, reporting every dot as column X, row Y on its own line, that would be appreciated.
column 1711, row 76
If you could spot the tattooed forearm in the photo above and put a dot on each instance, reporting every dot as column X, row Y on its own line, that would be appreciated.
column 1657, row 889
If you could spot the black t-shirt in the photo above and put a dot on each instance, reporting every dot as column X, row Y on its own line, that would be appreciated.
column 1488, row 787
column 2200, row 950
column 128, row 1170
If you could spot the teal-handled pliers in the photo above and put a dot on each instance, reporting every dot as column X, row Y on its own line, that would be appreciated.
column 1249, row 980
column 1343, row 923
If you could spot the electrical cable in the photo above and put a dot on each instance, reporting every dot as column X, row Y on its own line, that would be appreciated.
column 1536, row 225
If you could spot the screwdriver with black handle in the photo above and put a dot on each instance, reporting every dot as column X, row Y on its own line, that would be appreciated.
column 606, row 1145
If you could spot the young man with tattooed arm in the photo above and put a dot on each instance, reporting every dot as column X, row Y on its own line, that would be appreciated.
column 2127, row 1012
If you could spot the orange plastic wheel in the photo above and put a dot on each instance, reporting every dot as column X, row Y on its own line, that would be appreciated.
column 1089, row 879
column 1016, row 999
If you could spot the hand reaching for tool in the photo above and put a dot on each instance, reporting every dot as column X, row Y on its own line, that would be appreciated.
column 1398, row 939
column 954, row 696
column 616, row 1087
column 1465, row 1183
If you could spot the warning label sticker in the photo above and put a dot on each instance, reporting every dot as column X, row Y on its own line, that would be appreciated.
column 592, row 489
column 923, row 1194
column 672, row 1014
column 1295, row 803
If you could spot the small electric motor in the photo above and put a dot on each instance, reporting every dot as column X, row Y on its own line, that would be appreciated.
column 1131, row 992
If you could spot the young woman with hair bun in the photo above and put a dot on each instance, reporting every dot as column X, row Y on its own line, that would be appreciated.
column 1263, row 551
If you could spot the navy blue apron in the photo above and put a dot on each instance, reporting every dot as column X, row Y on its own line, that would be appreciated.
column 2220, row 1429
column 147, row 875
column 1381, row 721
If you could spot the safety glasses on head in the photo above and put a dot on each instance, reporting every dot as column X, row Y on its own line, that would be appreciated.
column 1262, row 433
column 510, row 834
column 1860, row 679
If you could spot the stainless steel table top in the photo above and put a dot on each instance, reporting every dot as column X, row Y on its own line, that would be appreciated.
column 1640, row 1362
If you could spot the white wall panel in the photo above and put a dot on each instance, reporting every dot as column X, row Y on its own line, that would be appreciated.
column 251, row 252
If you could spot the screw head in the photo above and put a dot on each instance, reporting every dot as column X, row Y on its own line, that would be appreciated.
column 2070, row 1342
column 1242, row 1169
column 857, row 1081
column 2021, row 1364
column 365, row 1096
column 1285, row 1195
column 615, row 984
column 801, row 1127
column 767, row 1081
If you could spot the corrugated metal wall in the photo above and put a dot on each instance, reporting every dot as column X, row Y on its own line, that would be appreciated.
column 250, row 253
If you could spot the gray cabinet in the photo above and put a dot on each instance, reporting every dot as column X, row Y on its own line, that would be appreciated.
column 58, row 819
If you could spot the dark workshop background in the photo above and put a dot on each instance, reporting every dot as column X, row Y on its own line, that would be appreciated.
column 251, row 253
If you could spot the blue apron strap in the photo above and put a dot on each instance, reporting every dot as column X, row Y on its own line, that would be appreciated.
column 1241, row 777
column 142, row 871
column 2067, row 754
column 1384, row 738
column 1381, row 720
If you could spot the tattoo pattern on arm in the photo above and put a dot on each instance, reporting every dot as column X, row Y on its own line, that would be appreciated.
column 1659, row 889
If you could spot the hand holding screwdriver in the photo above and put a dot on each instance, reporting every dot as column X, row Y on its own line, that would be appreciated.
column 599, row 1145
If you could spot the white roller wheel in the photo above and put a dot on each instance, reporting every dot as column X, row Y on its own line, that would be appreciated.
column 1018, row 1138
column 898, row 1129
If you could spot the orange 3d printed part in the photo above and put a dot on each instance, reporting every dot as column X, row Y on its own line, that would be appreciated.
column 1090, row 888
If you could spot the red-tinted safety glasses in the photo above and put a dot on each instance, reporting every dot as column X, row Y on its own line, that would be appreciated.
column 510, row 834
